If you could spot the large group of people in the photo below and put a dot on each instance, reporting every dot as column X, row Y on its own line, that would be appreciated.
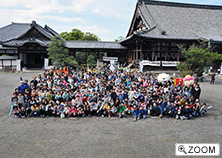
column 105, row 93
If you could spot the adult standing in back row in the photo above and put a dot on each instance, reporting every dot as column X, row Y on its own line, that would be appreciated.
column 212, row 78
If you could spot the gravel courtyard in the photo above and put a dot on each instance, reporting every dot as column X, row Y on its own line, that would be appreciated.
column 103, row 137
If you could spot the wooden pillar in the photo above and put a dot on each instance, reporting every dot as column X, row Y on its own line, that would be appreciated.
column 137, row 53
column 141, row 51
column 166, row 54
column 153, row 54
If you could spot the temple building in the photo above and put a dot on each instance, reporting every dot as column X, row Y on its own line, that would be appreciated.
column 27, row 41
column 156, row 30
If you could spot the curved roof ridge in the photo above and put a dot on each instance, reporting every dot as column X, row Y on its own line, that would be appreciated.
column 141, row 12
column 152, row 19
column 17, row 23
column 180, row 4
column 41, row 29
column 51, row 30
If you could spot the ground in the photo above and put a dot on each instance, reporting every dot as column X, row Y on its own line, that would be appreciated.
column 103, row 137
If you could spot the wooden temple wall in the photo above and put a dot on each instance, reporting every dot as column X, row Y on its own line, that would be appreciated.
column 156, row 50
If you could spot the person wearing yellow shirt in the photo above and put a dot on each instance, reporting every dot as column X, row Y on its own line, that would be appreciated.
column 106, row 110
column 182, row 101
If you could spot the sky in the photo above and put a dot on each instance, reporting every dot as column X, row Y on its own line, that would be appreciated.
column 108, row 19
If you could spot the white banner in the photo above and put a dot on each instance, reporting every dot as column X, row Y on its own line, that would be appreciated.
column 18, row 65
column 221, row 68
column 110, row 58
column 46, row 64
column 151, row 63
column 170, row 63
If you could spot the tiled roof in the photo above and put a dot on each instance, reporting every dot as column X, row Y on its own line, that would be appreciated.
column 179, row 21
column 94, row 45
column 16, row 30
column 17, row 43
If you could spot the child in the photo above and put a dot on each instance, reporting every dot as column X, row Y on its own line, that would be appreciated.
column 187, row 112
column 113, row 111
column 49, row 109
column 35, row 109
column 73, row 111
column 134, row 112
column 106, row 110
column 26, row 101
column 41, row 110
column 80, row 111
column 179, row 113
column 203, row 109
column 122, row 109
column 16, row 111
column 66, row 111
column 20, row 100
column 61, row 111
column 14, row 103
column 141, row 113
column 22, row 113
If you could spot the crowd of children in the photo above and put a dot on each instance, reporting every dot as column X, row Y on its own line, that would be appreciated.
column 81, row 93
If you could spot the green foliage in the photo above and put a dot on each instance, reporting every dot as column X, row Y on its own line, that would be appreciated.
column 4, row 55
column 59, row 54
column 91, row 60
column 77, row 34
column 81, row 57
column 90, row 37
column 197, row 57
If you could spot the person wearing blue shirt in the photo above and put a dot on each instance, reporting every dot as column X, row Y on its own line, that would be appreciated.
column 128, row 82
column 141, row 113
column 134, row 112
column 22, row 88
column 25, row 82
column 163, row 107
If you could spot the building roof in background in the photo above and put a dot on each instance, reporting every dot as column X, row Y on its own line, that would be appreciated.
column 94, row 45
column 18, row 43
column 15, row 30
column 169, row 20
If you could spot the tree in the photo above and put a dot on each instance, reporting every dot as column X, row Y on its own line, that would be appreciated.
column 81, row 57
column 75, row 34
column 90, row 37
column 59, row 54
column 197, row 57
column 91, row 60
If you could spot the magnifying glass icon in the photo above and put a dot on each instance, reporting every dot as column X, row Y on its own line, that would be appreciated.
column 181, row 148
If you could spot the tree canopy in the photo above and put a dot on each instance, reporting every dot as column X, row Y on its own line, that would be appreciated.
column 197, row 57
column 77, row 34
column 59, row 54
